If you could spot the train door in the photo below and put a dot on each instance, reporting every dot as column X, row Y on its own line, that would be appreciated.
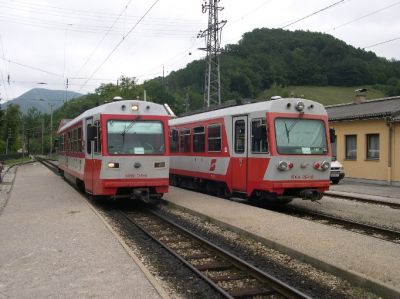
column 240, row 153
column 89, row 152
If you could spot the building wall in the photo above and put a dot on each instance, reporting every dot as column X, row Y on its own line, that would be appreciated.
column 362, row 168
column 396, row 153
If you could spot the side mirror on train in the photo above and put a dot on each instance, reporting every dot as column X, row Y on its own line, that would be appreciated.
column 332, row 135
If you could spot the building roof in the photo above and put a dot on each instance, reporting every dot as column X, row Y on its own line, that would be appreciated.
column 380, row 108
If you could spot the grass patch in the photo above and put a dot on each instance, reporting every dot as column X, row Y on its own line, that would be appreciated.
column 13, row 162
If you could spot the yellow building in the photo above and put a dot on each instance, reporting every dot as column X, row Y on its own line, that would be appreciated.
column 368, row 139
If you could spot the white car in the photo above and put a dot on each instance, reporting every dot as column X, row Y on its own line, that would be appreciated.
column 337, row 171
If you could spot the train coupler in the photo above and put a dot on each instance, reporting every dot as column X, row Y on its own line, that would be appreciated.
column 310, row 194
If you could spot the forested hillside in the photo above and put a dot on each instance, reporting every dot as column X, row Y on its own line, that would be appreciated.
column 265, row 57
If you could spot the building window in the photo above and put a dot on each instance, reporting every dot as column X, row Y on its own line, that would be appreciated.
column 373, row 146
column 259, row 142
column 199, row 140
column 351, row 147
column 185, row 141
column 214, row 138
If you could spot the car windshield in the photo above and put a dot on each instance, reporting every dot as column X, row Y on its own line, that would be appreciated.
column 300, row 136
column 135, row 137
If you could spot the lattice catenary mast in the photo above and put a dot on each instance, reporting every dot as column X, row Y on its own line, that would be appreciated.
column 212, row 35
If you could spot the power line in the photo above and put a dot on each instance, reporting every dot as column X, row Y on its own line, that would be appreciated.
column 32, row 67
column 119, row 43
column 364, row 16
column 161, row 30
column 381, row 43
column 1, row 73
column 104, row 37
column 313, row 14
column 90, row 15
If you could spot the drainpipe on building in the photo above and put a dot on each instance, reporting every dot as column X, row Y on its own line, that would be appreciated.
column 389, row 123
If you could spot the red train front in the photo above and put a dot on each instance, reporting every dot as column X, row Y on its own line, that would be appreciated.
column 119, row 149
column 267, row 150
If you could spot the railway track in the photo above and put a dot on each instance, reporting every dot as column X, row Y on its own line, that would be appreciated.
column 226, row 273
column 392, row 205
column 48, row 163
column 379, row 232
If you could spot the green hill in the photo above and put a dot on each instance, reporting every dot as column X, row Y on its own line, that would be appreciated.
column 42, row 99
column 266, row 58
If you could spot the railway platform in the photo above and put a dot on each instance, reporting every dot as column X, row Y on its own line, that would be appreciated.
column 369, row 191
column 362, row 260
column 54, row 245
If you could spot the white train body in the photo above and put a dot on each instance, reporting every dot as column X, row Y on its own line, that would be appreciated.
column 276, row 149
column 119, row 149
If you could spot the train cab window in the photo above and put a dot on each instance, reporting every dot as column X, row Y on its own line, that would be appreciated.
column 199, row 140
column 135, row 137
column 240, row 136
column 185, row 141
column 173, row 140
column 259, row 142
column 214, row 138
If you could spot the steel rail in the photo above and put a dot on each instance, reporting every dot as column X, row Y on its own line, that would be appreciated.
column 265, row 279
column 392, row 205
column 391, row 234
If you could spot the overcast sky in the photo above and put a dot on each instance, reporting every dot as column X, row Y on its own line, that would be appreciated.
column 49, row 41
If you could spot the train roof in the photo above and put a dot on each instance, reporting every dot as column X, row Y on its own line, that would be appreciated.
column 278, row 105
column 121, row 108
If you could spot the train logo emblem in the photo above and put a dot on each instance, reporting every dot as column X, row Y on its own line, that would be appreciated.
column 213, row 164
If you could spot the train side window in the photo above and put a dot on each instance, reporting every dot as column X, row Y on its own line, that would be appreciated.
column 185, row 141
column 69, row 140
column 214, row 138
column 79, row 139
column 199, row 140
column 174, row 138
column 75, row 143
column 259, row 141
column 240, row 136
column 97, row 138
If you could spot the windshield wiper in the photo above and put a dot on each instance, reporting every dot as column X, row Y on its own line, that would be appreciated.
column 287, row 133
column 126, row 129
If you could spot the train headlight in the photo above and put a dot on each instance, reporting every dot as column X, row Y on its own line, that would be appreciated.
column 113, row 165
column 299, row 106
column 135, row 107
column 284, row 165
column 325, row 165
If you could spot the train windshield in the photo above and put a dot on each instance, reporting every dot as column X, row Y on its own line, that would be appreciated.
column 300, row 136
column 135, row 137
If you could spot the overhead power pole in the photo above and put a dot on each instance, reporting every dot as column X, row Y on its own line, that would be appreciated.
column 212, row 35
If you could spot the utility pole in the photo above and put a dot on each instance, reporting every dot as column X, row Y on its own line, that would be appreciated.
column 8, row 137
column 212, row 35
column 51, row 130
column 42, row 134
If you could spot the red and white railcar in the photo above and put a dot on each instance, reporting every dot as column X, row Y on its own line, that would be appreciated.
column 119, row 149
column 276, row 149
